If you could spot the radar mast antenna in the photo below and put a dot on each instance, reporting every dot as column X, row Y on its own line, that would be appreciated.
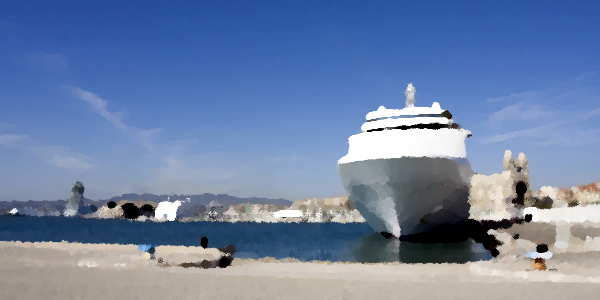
column 410, row 95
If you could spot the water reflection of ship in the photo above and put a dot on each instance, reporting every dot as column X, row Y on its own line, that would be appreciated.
column 376, row 248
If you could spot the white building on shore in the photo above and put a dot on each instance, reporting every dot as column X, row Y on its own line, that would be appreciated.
column 167, row 210
column 289, row 214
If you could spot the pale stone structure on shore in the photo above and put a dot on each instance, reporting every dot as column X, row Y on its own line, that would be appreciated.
column 337, row 209
column 260, row 213
column 75, row 201
column 498, row 196
column 167, row 211
column 334, row 209
column 108, row 213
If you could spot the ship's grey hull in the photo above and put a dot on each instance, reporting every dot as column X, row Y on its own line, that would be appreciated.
column 409, row 195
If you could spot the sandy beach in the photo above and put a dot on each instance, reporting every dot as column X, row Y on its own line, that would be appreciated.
column 100, row 271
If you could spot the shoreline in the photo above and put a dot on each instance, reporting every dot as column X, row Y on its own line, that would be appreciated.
column 71, row 254
column 49, row 270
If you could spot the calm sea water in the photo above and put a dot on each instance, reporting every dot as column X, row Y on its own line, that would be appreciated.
column 304, row 241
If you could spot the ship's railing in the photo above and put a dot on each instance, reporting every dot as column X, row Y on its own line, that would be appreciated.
column 407, row 116
column 433, row 126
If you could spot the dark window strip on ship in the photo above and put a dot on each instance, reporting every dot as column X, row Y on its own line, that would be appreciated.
column 408, row 116
column 434, row 126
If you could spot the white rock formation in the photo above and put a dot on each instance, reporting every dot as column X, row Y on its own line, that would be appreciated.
column 109, row 213
column 588, row 194
column 167, row 211
column 581, row 195
column 491, row 197
column 552, row 193
column 75, row 201
column 337, row 209
column 214, row 211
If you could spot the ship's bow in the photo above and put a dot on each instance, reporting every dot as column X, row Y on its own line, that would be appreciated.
column 408, row 195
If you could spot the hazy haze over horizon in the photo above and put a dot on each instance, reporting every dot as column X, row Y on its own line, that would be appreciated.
column 258, row 99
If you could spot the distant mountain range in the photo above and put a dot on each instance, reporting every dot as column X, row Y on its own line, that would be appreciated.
column 203, row 199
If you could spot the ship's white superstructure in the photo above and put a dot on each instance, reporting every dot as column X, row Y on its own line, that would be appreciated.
column 407, row 171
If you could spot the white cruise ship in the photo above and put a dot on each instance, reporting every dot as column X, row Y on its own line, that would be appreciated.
column 407, row 170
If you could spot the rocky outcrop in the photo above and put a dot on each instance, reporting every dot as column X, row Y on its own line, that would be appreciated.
column 585, row 194
column 501, row 196
column 75, row 201
column 251, row 213
column 335, row 209
column 105, row 212
column 581, row 195
column 137, row 210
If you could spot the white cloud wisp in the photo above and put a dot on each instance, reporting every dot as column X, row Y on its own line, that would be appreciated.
column 555, row 116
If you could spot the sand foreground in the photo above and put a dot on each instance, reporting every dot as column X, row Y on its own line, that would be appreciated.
column 100, row 271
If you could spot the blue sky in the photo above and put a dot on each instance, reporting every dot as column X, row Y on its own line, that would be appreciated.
column 258, row 98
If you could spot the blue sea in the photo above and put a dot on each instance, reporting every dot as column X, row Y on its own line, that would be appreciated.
column 304, row 241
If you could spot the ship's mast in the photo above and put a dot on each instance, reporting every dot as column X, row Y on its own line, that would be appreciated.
column 410, row 95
